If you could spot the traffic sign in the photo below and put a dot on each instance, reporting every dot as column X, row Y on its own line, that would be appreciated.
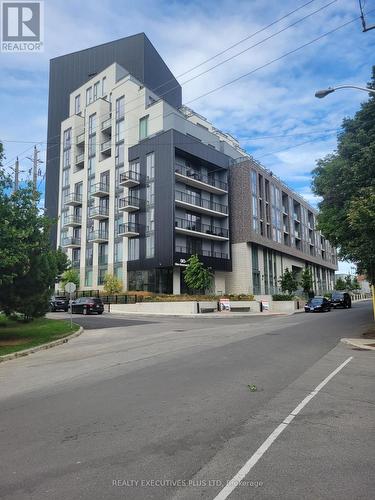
column 70, row 287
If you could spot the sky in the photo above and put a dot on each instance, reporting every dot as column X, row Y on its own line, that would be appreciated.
column 272, row 111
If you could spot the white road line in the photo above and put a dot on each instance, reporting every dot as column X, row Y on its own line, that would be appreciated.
column 242, row 473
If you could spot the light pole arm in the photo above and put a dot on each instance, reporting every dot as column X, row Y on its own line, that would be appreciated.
column 365, row 89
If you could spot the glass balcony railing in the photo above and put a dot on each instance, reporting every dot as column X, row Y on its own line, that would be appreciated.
column 201, row 228
column 73, row 199
column 204, row 253
column 129, row 202
column 130, row 178
column 98, row 236
column 72, row 220
column 98, row 212
column 128, row 229
column 206, row 179
column 71, row 241
column 201, row 202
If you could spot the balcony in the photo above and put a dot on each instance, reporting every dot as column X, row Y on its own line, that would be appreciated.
column 204, row 253
column 198, row 180
column 98, row 213
column 80, row 160
column 297, row 235
column 72, row 221
column 75, row 264
column 130, row 179
column 80, row 139
column 129, row 229
column 129, row 204
column 105, row 147
column 201, row 205
column 184, row 226
column 71, row 242
column 98, row 236
column 100, row 189
column 107, row 126
column 73, row 199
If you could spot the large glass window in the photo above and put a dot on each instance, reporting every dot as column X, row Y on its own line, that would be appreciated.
column 118, row 251
column 255, row 269
column 150, row 246
column 92, row 124
column 96, row 90
column 77, row 104
column 143, row 128
column 133, row 248
column 150, row 166
column 88, row 96
column 120, row 108
column 120, row 130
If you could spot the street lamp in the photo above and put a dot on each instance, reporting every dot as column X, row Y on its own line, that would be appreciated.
column 322, row 93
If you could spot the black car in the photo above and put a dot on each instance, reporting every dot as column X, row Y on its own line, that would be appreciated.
column 318, row 304
column 59, row 303
column 341, row 299
column 87, row 305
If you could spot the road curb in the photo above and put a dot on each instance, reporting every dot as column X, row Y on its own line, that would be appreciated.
column 42, row 347
column 360, row 343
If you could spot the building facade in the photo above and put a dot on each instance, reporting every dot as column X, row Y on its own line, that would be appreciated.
column 143, row 183
column 273, row 228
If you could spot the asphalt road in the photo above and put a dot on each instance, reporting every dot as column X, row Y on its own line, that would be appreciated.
column 161, row 408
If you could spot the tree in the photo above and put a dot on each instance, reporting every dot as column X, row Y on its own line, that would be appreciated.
column 355, row 284
column 340, row 284
column 197, row 276
column 112, row 285
column 62, row 262
column 288, row 282
column 70, row 276
column 306, row 280
column 346, row 182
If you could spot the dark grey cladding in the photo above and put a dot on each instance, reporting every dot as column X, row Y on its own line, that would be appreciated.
column 68, row 72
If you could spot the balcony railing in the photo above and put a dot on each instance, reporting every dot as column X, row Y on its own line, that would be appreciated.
column 100, row 189
column 130, row 178
column 72, row 220
column 98, row 212
column 197, row 176
column 75, row 264
column 73, row 199
column 80, row 158
column 129, row 229
column 107, row 124
column 129, row 203
column 103, row 260
column 71, row 241
column 98, row 236
column 201, row 228
column 205, row 253
column 201, row 202
column 105, row 147
column 81, row 138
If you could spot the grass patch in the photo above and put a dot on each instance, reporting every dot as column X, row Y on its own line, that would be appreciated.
column 16, row 335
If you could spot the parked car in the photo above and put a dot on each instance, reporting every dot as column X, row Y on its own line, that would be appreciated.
column 318, row 304
column 87, row 305
column 341, row 299
column 59, row 303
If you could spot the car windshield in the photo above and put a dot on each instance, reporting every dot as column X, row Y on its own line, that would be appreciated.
column 337, row 295
column 316, row 301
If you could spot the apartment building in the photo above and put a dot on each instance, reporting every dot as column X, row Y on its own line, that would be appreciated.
column 143, row 182
column 143, row 185
column 273, row 228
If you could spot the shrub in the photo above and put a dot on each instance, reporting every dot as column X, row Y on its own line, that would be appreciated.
column 278, row 297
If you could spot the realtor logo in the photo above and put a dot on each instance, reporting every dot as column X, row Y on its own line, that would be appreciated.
column 22, row 27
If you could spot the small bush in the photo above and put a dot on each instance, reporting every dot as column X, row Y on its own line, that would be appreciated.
column 278, row 297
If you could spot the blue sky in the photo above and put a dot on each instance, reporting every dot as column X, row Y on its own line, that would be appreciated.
column 273, row 111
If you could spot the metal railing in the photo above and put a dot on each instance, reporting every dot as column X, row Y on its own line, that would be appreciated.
column 128, row 227
column 73, row 197
column 93, row 211
column 131, row 175
column 70, row 240
column 204, row 253
column 129, row 201
column 201, row 228
column 105, row 146
column 80, row 158
column 97, row 235
column 80, row 138
column 72, row 219
column 99, row 187
column 201, row 202
column 194, row 174
column 107, row 123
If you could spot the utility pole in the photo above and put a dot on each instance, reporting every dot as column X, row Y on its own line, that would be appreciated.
column 16, row 174
column 36, row 162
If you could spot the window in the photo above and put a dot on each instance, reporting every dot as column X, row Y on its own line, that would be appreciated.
column 67, row 140
column 150, row 166
column 255, row 268
column 88, row 278
column 96, row 91
column 66, row 158
column 118, row 272
column 120, row 108
column 103, row 254
column 92, row 124
column 92, row 145
column 143, row 128
column 88, row 96
column 101, row 275
column 118, row 251
column 66, row 178
column 77, row 104
column 89, row 256
column 91, row 163
column 133, row 248
column 150, row 246
column 120, row 130
column 104, row 86
column 119, row 154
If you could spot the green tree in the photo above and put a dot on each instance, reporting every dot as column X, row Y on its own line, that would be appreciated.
column 346, row 182
column 348, row 282
column 306, row 280
column 197, row 277
column 340, row 284
column 355, row 284
column 70, row 276
column 288, row 282
column 62, row 263
column 112, row 285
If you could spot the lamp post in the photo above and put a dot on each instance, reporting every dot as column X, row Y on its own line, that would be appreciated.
column 323, row 93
